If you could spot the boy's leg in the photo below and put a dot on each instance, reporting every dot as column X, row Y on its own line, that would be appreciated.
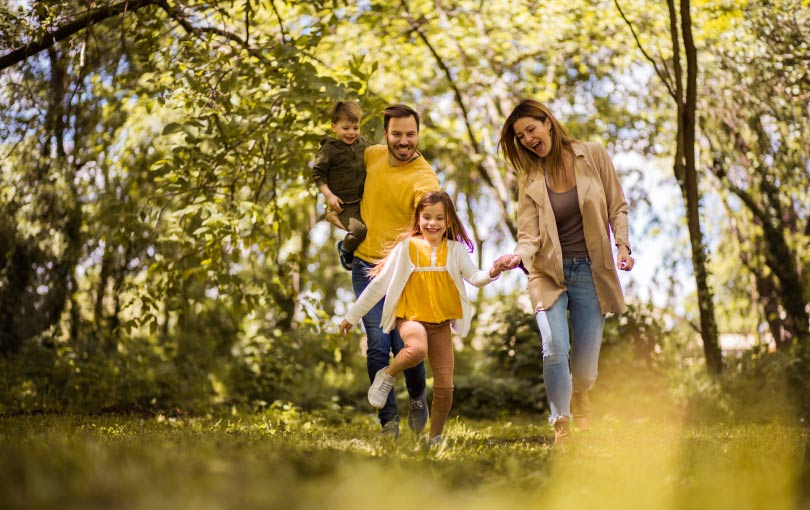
column 442, row 362
column 354, row 224
column 379, row 343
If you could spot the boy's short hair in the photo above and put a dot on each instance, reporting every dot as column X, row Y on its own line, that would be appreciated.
column 399, row 111
column 346, row 110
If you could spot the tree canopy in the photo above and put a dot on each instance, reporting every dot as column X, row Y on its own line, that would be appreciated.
column 156, row 195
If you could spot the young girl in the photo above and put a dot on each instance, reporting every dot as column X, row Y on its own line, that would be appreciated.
column 421, row 280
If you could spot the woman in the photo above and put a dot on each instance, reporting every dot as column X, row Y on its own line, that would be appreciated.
column 569, row 194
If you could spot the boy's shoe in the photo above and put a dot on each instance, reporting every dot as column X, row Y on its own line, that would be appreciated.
column 380, row 388
column 346, row 257
column 581, row 409
column 390, row 429
column 418, row 413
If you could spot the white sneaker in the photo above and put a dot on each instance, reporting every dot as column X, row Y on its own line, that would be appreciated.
column 436, row 441
column 380, row 388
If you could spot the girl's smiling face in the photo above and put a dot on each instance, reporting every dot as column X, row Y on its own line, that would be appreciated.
column 433, row 223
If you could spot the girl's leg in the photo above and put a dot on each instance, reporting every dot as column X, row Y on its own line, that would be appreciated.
column 415, row 337
column 442, row 362
column 553, row 324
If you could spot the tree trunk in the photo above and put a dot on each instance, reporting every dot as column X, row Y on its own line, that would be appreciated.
column 684, row 163
column 689, row 187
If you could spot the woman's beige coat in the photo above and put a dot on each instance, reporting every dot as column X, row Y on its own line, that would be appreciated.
column 602, row 204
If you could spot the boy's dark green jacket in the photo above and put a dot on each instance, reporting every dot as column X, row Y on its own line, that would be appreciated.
column 341, row 167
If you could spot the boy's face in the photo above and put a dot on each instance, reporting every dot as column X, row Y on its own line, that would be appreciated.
column 346, row 131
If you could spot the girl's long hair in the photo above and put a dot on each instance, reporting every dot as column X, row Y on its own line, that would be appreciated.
column 522, row 159
column 455, row 229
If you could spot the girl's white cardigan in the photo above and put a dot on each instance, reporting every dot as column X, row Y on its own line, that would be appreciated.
column 394, row 275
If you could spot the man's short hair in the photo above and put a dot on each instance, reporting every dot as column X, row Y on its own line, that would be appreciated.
column 346, row 110
column 399, row 111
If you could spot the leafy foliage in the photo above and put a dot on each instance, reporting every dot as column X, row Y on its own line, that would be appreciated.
column 161, row 245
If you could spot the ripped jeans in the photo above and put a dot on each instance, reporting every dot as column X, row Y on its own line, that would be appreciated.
column 587, row 322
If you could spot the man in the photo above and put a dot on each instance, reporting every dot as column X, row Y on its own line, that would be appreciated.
column 396, row 178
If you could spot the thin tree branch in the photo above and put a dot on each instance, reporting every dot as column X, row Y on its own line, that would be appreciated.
column 676, row 54
column 664, row 75
column 280, row 22
column 63, row 32
column 482, row 170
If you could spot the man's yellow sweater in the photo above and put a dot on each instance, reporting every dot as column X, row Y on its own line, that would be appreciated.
column 389, row 199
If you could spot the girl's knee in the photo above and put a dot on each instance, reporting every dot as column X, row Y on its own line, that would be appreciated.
column 443, row 393
column 418, row 351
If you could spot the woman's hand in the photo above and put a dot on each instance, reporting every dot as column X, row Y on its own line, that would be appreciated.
column 345, row 326
column 623, row 260
column 505, row 263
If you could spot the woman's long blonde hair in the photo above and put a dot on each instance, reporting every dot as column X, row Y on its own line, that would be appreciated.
column 455, row 229
column 522, row 159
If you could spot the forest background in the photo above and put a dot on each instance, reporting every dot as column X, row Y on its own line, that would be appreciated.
column 170, row 294
column 162, row 248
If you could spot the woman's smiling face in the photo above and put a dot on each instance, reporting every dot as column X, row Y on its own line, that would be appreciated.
column 534, row 134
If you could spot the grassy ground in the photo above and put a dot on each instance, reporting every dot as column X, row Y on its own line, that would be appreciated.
column 287, row 459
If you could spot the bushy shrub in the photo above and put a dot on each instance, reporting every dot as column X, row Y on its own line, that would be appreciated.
column 306, row 366
column 481, row 396
column 503, row 372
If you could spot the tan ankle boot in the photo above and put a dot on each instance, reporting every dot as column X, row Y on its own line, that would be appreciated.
column 581, row 409
column 561, row 432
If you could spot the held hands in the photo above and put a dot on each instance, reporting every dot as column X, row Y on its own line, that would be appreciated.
column 623, row 259
column 345, row 326
column 504, row 263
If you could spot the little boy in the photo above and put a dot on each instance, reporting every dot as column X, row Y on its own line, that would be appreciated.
column 340, row 174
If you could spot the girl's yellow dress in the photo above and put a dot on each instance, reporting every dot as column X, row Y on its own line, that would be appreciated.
column 430, row 294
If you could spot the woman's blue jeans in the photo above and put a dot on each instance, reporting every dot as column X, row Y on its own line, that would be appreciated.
column 579, row 303
column 382, row 345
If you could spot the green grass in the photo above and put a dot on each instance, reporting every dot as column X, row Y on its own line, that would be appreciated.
column 284, row 458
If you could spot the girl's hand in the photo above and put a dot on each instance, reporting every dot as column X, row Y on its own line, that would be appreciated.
column 623, row 260
column 506, row 262
column 345, row 326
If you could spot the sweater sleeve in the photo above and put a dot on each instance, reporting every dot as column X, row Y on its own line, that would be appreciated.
column 320, row 170
column 528, row 222
column 427, row 182
column 469, row 270
column 614, row 195
column 376, row 288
